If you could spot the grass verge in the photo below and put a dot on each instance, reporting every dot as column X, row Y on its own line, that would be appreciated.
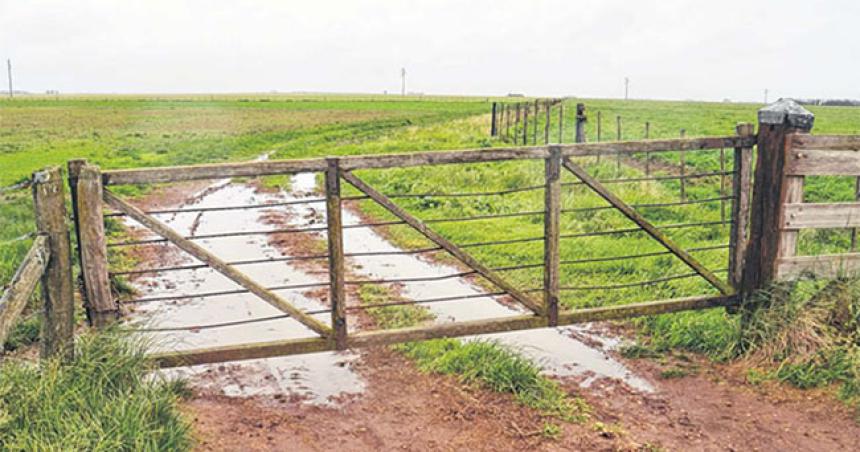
column 103, row 400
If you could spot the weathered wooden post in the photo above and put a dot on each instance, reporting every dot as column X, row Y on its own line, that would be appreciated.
column 337, row 294
column 647, row 154
column 507, row 122
column 517, row 125
column 535, row 133
column 526, row 123
column 580, row 123
column 493, row 129
column 741, row 192
column 92, row 244
column 599, row 121
column 58, row 326
column 772, row 189
column 551, row 255
column 561, row 123
column 548, row 107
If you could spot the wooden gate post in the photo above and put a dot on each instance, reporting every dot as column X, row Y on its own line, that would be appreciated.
column 772, row 189
column 580, row 123
column 101, row 308
column 551, row 254
column 741, row 191
column 58, row 326
column 337, row 294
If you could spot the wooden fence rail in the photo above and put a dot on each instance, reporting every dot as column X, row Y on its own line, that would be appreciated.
column 22, row 285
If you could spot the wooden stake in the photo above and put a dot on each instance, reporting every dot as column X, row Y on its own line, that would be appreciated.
column 336, row 266
column 58, row 323
column 526, row 123
column 548, row 107
column 101, row 308
column 535, row 133
column 580, row 124
column 493, row 129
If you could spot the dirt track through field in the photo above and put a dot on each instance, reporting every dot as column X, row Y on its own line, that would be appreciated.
column 376, row 399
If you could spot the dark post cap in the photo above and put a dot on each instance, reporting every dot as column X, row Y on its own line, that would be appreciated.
column 788, row 112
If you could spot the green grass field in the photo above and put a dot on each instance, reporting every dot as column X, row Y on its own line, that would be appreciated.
column 128, row 131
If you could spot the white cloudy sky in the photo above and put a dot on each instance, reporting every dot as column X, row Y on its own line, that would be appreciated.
column 670, row 49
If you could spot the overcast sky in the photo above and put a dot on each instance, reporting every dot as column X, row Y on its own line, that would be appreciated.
column 670, row 49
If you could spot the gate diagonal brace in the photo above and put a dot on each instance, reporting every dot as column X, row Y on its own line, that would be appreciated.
column 646, row 226
column 434, row 237
column 216, row 263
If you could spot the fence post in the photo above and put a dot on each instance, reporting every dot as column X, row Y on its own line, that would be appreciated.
column 561, row 123
column 493, row 129
column 337, row 295
column 535, row 128
column 517, row 125
column 580, row 123
column 92, row 246
column 771, row 190
column 741, row 180
column 551, row 256
column 57, row 290
column 548, row 107
column 526, row 123
column 599, row 121
column 507, row 109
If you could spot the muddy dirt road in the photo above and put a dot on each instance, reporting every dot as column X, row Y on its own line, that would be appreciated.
column 375, row 399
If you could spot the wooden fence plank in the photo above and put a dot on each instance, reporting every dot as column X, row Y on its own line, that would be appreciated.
column 649, row 228
column 826, row 266
column 821, row 215
column 22, row 285
column 827, row 142
column 442, row 242
column 816, row 162
column 216, row 263
column 459, row 329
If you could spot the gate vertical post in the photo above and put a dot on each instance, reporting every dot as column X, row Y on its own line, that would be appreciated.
column 337, row 294
column 772, row 189
column 92, row 246
column 551, row 254
column 741, row 192
column 58, row 326
column 580, row 123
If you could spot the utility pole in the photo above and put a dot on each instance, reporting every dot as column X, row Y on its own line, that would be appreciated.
column 9, row 71
column 403, row 81
column 626, row 87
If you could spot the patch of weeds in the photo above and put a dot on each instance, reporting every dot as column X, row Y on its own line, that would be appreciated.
column 25, row 332
column 609, row 430
column 637, row 350
column 550, row 430
column 674, row 372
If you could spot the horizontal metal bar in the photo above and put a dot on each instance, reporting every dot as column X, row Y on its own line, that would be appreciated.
column 219, row 235
column 426, row 300
column 234, row 263
column 647, row 206
column 223, row 208
column 221, row 293
column 414, row 279
column 210, row 326
column 635, row 284
column 653, row 178
column 394, row 253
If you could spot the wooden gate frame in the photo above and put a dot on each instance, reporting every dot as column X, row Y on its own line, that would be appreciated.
column 89, row 189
